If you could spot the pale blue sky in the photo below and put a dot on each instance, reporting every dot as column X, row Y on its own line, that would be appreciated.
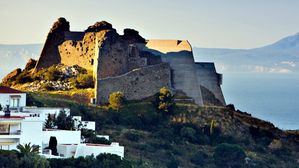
column 205, row 23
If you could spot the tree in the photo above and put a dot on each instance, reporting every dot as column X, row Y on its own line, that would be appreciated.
column 28, row 149
column 64, row 121
column 164, row 100
column 49, row 124
column 229, row 155
column 90, row 137
column 116, row 100
column 0, row 107
column 9, row 159
column 34, row 161
column 53, row 145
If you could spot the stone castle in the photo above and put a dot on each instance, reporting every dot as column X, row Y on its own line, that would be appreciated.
column 131, row 64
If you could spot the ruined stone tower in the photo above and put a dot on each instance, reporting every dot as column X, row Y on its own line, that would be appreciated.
column 128, row 62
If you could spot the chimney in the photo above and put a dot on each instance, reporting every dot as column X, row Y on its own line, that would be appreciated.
column 7, row 111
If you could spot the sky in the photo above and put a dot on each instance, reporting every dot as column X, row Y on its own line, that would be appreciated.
column 205, row 23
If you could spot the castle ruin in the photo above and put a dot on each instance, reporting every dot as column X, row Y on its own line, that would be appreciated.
column 131, row 64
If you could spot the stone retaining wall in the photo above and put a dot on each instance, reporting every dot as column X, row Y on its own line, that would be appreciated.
column 137, row 84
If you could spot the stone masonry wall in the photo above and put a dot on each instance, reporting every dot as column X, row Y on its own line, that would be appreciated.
column 137, row 84
column 180, row 57
column 210, row 80
column 79, row 52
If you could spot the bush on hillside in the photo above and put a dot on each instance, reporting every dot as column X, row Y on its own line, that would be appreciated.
column 83, row 81
column 116, row 100
column 100, row 161
column 49, row 74
column 91, row 137
column 52, row 74
column 23, row 78
column 9, row 159
column 133, row 136
column 229, row 155
column 188, row 133
column 34, row 161
column 164, row 101
column 199, row 158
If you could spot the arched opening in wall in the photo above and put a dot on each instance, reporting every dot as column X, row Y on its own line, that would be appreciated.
column 91, row 61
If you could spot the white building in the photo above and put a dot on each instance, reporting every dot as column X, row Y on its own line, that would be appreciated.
column 23, row 125
column 12, row 97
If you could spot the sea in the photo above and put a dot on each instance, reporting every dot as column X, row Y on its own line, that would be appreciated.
column 268, row 96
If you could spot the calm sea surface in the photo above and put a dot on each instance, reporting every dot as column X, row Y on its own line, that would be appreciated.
column 271, row 97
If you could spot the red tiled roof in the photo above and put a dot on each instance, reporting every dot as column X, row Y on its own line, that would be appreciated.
column 90, row 144
column 12, row 117
column 4, row 89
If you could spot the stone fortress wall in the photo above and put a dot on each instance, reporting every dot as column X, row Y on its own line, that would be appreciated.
column 127, row 62
column 180, row 57
column 210, row 79
column 189, row 76
column 137, row 84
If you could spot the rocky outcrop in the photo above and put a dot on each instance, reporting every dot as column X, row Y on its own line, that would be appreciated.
column 30, row 64
column 12, row 75
column 132, row 36
column 103, row 25
column 50, row 54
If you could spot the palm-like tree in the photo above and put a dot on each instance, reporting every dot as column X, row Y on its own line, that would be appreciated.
column 28, row 149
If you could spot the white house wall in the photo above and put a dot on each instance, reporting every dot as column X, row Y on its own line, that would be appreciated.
column 62, row 136
column 6, row 100
column 31, row 131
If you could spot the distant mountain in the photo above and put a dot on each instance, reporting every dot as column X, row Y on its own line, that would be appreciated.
column 14, row 56
column 280, row 57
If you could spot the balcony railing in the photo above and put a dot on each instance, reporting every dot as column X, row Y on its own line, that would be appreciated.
column 18, row 132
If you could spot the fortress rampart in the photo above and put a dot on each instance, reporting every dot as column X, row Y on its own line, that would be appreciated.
column 210, row 79
column 128, row 62
column 137, row 84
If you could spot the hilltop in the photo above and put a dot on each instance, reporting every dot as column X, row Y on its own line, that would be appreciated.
column 188, row 137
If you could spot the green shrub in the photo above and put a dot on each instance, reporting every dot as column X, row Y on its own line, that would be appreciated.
column 99, row 140
column 52, row 74
column 23, row 78
column 34, row 161
column 229, row 155
column 91, row 137
column 188, row 133
column 132, row 136
column 9, row 159
column 53, row 145
column 49, row 74
column 116, row 100
column 83, row 81
column 100, row 161
column 199, row 158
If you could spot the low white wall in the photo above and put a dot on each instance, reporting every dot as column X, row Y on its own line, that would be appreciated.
column 85, row 150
